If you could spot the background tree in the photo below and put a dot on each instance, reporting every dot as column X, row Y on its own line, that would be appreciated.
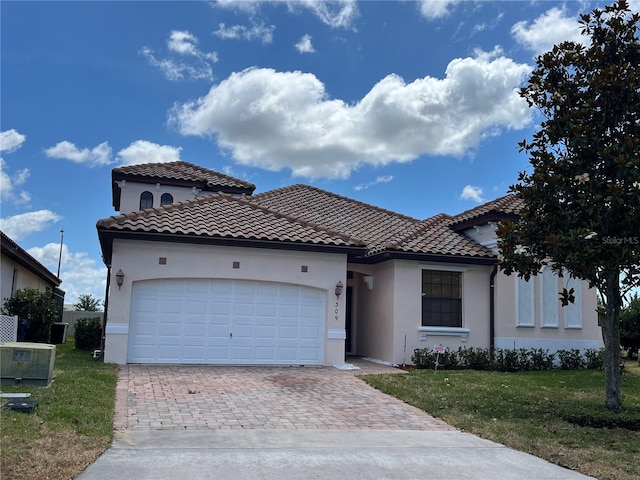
column 630, row 326
column 37, row 309
column 581, row 200
column 87, row 303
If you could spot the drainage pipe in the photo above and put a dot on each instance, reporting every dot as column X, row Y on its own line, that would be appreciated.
column 492, row 310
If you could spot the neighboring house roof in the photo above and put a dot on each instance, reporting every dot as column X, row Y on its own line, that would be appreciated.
column 178, row 173
column 503, row 208
column 15, row 252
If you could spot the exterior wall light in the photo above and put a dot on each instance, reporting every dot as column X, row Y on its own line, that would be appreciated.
column 339, row 288
column 119, row 278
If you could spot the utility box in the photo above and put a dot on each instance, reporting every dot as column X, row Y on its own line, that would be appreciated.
column 27, row 363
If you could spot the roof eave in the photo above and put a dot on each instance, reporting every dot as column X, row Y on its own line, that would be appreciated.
column 425, row 257
column 483, row 219
column 20, row 256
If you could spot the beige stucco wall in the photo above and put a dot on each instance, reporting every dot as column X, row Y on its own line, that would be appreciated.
column 25, row 278
column 140, row 261
column 510, row 335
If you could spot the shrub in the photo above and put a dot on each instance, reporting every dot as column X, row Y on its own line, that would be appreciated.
column 36, row 310
column 507, row 360
column 475, row 358
column 426, row 358
column 594, row 359
column 88, row 335
column 570, row 359
column 541, row 359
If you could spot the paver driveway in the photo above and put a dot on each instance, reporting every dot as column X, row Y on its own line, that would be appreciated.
column 152, row 397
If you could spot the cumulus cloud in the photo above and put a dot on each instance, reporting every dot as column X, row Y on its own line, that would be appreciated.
column 95, row 157
column 305, row 45
column 433, row 9
column 469, row 192
column 79, row 273
column 549, row 29
column 195, row 64
column 364, row 186
column 23, row 225
column 11, row 140
column 276, row 120
column 143, row 151
column 261, row 32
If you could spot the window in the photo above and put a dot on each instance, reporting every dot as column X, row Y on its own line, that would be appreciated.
column 441, row 299
column 146, row 200
column 525, row 307
column 166, row 199
column 573, row 311
column 549, row 302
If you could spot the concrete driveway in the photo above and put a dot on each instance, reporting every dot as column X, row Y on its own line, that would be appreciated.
column 215, row 422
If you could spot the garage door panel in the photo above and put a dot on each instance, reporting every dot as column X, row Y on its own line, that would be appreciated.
column 226, row 322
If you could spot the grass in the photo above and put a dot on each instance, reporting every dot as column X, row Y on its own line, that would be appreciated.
column 556, row 415
column 70, row 428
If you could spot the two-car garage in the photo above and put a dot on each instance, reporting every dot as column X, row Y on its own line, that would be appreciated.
column 220, row 321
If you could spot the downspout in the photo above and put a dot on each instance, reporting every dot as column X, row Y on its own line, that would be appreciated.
column 106, row 309
column 492, row 310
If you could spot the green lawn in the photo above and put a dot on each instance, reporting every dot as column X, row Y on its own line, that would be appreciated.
column 548, row 414
column 72, row 425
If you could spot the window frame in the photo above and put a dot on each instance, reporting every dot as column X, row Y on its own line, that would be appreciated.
column 425, row 270
column 148, row 198
column 163, row 198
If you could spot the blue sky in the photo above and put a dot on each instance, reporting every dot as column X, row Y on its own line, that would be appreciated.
column 410, row 106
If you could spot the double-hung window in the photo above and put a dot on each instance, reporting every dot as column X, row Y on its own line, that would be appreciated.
column 441, row 298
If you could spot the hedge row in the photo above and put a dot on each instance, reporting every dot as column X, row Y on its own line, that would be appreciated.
column 519, row 360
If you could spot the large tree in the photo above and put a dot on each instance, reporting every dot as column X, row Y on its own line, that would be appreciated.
column 581, row 199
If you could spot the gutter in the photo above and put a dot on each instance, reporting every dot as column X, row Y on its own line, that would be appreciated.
column 106, row 309
column 492, row 310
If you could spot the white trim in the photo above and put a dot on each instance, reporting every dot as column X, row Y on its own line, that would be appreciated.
column 549, row 301
column 337, row 334
column 572, row 313
column 443, row 268
column 463, row 333
column 117, row 329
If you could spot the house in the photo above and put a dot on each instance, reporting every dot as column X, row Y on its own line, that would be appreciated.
column 204, row 271
column 19, row 270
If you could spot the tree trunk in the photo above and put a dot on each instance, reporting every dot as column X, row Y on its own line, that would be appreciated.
column 611, row 337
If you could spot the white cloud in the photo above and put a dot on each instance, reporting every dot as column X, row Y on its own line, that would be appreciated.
column 20, row 226
column 433, row 9
column 276, row 120
column 183, row 44
column 96, row 157
column 469, row 192
column 334, row 13
column 79, row 273
column 11, row 140
column 142, row 151
column 260, row 32
column 8, row 183
column 364, row 186
column 305, row 45
column 549, row 29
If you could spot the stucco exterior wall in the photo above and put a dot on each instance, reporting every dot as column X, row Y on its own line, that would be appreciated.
column 24, row 278
column 140, row 260
column 510, row 335
column 130, row 194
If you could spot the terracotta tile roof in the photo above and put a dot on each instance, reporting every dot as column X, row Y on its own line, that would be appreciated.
column 182, row 171
column 504, row 207
column 224, row 216
column 381, row 230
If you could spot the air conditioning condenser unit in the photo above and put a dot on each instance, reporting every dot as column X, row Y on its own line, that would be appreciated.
column 27, row 363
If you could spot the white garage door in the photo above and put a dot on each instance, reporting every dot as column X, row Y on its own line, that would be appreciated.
column 226, row 322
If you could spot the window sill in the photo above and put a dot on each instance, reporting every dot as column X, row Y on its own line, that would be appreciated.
column 463, row 333
column 525, row 326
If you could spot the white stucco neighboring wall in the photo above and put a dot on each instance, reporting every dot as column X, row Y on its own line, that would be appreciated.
column 571, row 327
column 140, row 260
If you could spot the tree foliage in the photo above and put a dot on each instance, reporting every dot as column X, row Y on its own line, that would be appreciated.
column 581, row 199
column 38, row 309
column 630, row 325
column 86, row 303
